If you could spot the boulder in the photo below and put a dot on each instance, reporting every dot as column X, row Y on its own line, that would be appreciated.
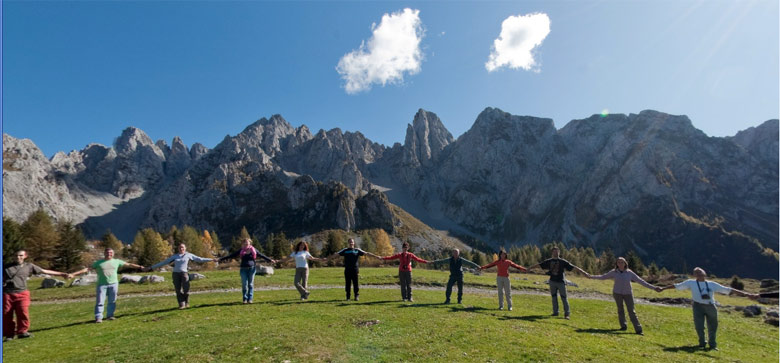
column 50, row 282
column 772, row 321
column 130, row 279
column 152, row 279
column 772, row 313
column 196, row 276
column 752, row 310
column 264, row 271
column 84, row 280
column 767, row 283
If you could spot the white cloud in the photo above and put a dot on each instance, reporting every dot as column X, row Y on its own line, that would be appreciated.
column 392, row 50
column 520, row 35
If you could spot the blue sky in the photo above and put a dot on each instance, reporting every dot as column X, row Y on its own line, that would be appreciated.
column 80, row 72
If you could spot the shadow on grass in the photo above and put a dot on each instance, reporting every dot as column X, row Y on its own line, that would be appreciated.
column 344, row 303
column 299, row 301
column 687, row 349
column 63, row 326
column 602, row 331
column 524, row 318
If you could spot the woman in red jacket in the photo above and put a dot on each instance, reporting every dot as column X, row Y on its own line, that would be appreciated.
column 405, row 270
column 502, row 278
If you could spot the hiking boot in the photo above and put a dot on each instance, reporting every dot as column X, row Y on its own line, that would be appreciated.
column 460, row 301
column 554, row 314
column 410, row 300
column 244, row 302
column 447, row 301
column 24, row 335
column 306, row 296
column 510, row 308
column 640, row 333
column 500, row 308
column 8, row 338
column 110, row 318
column 622, row 328
column 566, row 317
column 249, row 302
column 347, row 297
column 98, row 321
column 356, row 298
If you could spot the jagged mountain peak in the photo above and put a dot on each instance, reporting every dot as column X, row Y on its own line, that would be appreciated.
column 130, row 139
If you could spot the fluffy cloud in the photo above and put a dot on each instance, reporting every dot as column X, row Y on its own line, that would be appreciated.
column 519, row 36
column 392, row 50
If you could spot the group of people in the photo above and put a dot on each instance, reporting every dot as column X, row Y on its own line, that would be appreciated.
column 16, row 296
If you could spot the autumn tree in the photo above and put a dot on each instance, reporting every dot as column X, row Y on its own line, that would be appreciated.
column 149, row 247
column 108, row 240
column 382, row 241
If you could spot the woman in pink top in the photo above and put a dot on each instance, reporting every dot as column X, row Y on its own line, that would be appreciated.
column 502, row 278
column 623, row 293
column 405, row 270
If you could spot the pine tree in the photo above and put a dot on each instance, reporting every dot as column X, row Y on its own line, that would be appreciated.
column 606, row 261
column 479, row 259
column 335, row 242
column 367, row 243
column 13, row 240
column 281, row 246
column 736, row 283
column 41, row 238
column 217, row 243
column 69, row 247
column 653, row 270
column 150, row 248
column 635, row 263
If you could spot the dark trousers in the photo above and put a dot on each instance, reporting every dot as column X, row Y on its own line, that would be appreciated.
column 708, row 313
column 181, row 283
column 16, row 303
column 351, row 278
column 405, row 277
column 451, row 282
column 628, row 300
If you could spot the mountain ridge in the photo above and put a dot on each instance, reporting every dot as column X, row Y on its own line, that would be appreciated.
column 604, row 181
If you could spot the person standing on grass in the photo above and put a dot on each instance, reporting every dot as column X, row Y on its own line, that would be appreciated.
column 555, row 267
column 16, row 297
column 107, row 283
column 180, row 274
column 622, row 292
column 703, row 295
column 351, row 266
column 248, row 255
column 456, row 274
column 301, row 256
column 405, row 270
column 502, row 278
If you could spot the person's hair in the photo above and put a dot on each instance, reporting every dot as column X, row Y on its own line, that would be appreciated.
column 620, row 259
column 305, row 246
column 25, row 252
column 405, row 244
column 700, row 269
column 108, row 249
column 456, row 249
column 555, row 249
column 502, row 251
column 350, row 240
column 248, row 239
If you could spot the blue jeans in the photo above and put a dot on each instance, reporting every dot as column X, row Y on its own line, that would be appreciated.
column 248, row 282
column 102, row 292
column 555, row 289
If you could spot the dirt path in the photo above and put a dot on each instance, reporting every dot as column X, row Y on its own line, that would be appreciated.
column 466, row 289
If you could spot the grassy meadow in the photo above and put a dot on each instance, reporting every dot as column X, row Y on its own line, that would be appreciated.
column 279, row 327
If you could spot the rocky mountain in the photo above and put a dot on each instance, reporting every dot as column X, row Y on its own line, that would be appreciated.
column 649, row 182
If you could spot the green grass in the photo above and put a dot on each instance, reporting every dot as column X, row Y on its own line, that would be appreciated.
column 279, row 327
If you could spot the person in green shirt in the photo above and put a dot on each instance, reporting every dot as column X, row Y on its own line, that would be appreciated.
column 107, row 283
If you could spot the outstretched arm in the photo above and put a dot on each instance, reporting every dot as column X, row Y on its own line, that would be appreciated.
column 230, row 256
column 128, row 264
column 472, row 264
column 79, row 272
column 420, row 260
column 271, row 260
column 581, row 271
column 489, row 265
column 521, row 268
column 55, row 273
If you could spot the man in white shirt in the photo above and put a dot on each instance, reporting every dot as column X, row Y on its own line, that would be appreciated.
column 703, row 295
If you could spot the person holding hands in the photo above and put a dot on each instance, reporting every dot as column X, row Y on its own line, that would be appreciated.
column 248, row 255
column 301, row 256
column 502, row 278
column 556, row 268
column 351, row 266
column 180, row 274
column 405, row 270
column 456, row 273
column 107, row 283
column 622, row 292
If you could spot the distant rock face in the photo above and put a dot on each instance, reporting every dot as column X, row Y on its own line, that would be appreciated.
column 648, row 182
